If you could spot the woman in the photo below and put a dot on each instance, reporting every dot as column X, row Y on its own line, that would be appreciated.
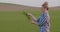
column 44, row 20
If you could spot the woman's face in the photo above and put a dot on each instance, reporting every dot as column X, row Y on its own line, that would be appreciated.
column 44, row 7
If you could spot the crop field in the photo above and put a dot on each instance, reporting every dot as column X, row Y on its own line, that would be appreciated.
column 16, row 21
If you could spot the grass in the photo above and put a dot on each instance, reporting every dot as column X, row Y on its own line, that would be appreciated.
column 18, row 22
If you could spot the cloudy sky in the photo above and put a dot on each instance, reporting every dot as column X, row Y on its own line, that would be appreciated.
column 34, row 3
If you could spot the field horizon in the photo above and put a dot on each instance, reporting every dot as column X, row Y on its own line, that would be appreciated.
column 16, row 7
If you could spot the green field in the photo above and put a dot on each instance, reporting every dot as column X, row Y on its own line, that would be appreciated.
column 17, row 22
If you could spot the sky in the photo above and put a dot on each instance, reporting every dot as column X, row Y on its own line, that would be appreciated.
column 33, row 3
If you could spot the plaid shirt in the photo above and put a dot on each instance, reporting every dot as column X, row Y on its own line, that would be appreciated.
column 44, row 22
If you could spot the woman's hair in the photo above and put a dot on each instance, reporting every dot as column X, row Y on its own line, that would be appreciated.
column 45, row 5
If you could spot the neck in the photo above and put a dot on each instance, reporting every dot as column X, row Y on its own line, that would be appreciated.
column 45, row 11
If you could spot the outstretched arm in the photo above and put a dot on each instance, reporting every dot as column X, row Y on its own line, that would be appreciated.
column 33, row 18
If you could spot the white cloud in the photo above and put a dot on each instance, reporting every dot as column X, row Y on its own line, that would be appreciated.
column 36, row 3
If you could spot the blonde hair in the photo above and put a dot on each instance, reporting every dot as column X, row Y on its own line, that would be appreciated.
column 45, row 5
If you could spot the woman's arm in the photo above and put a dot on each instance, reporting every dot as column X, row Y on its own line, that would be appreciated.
column 33, row 18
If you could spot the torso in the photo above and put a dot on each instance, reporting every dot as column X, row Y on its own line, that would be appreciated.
column 47, row 25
